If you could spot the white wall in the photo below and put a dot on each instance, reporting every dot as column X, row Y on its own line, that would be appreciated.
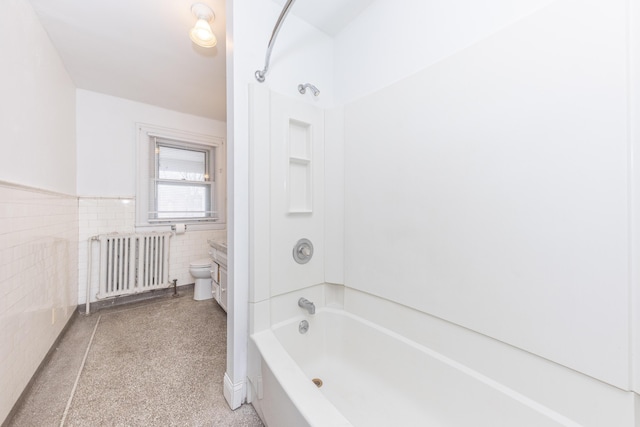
column 38, row 237
column 103, row 215
column 289, row 217
column 297, row 130
column 634, row 142
column 302, row 54
column 391, row 40
column 486, row 173
column 37, row 112
column 334, row 195
column 107, row 177
column 107, row 140
column 38, row 281
column 489, row 187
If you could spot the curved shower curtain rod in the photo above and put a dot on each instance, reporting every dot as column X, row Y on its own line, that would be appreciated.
column 260, row 74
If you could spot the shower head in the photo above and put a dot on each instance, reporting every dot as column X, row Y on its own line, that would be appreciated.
column 302, row 88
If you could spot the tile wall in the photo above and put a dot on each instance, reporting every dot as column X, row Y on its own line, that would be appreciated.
column 43, row 270
column 99, row 216
column 189, row 247
column 109, row 215
column 38, row 280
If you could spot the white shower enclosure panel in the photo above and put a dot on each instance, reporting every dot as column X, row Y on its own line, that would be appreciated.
column 300, row 176
column 297, row 190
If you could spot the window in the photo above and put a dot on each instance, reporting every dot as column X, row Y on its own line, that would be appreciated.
column 180, row 178
column 182, row 182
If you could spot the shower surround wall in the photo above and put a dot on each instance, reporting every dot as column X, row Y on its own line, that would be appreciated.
column 302, row 54
column 38, row 207
column 106, row 131
column 504, row 205
column 487, row 191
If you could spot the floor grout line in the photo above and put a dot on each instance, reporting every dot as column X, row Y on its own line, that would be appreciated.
column 75, row 384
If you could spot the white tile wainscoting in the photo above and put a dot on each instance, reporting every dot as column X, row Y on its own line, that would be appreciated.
column 43, row 270
column 109, row 215
column 38, row 280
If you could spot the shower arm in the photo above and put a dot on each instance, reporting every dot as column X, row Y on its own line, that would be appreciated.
column 260, row 74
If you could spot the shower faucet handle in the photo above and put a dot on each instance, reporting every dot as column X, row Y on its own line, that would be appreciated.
column 303, row 251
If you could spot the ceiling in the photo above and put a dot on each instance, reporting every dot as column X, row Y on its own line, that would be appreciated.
column 329, row 16
column 140, row 49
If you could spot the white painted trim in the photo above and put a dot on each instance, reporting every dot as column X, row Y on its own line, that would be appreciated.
column 259, row 193
column 21, row 187
column 234, row 393
column 633, row 117
column 238, row 222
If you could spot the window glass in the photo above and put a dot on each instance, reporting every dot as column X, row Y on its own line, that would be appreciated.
column 182, row 201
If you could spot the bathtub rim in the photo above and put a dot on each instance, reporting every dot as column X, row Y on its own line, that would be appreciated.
column 269, row 337
column 297, row 386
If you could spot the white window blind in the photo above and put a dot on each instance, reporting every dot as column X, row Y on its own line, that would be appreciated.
column 181, row 164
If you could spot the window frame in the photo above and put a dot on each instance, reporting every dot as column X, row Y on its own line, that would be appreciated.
column 209, row 184
column 148, row 136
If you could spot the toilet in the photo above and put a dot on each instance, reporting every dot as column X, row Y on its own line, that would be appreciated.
column 201, row 271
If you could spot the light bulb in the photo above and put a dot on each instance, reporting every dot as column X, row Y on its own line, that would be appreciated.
column 202, row 35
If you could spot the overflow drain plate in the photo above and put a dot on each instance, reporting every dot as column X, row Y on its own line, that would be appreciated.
column 317, row 382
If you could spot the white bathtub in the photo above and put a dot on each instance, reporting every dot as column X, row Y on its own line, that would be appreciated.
column 374, row 377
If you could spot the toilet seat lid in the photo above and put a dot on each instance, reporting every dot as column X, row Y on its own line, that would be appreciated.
column 204, row 262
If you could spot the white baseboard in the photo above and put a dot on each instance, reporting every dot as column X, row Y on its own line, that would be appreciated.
column 234, row 393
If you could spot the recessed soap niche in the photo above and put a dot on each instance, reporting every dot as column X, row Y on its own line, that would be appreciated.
column 300, row 163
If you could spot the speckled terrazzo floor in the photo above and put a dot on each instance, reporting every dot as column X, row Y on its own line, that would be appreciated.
column 158, row 363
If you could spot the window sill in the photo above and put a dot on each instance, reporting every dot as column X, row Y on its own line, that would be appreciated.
column 190, row 227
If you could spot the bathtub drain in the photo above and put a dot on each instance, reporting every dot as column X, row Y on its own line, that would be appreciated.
column 317, row 382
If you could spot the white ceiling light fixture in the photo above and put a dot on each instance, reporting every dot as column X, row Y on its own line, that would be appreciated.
column 201, row 34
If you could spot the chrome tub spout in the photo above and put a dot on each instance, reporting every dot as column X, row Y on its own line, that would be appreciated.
column 307, row 305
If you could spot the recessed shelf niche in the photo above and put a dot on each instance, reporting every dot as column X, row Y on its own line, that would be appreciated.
column 300, row 159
